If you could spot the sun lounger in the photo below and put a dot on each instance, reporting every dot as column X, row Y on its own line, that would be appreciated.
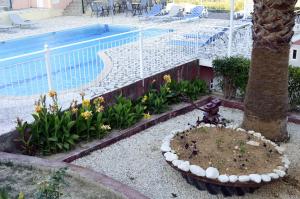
column 5, row 27
column 18, row 21
column 175, row 11
column 155, row 11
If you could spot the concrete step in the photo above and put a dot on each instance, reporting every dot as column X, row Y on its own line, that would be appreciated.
column 74, row 8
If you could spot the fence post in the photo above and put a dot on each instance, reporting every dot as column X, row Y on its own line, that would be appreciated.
column 141, row 55
column 229, row 52
column 48, row 66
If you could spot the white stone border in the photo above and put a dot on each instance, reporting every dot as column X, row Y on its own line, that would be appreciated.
column 213, row 173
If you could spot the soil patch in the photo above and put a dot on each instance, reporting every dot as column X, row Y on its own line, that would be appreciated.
column 15, row 179
column 227, row 150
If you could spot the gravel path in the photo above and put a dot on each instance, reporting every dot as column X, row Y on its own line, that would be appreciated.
column 137, row 162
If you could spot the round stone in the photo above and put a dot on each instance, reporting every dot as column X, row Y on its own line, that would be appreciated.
column 170, row 156
column 265, row 178
column 223, row 178
column 176, row 163
column 198, row 171
column 255, row 178
column 244, row 178
column 233, row 178
column 184, row 166
column 273, row 175
column 212, row 173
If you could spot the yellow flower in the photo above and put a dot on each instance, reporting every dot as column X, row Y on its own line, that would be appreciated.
column 145, row 98
column 167, row 78
column 85, row 103
column 21, row 195
column 101, row 100
column 86, row 115
column 52, row 93
column 74, row 110
column 147, row 116
column 38, row 108
column 99, row 109
column 105, row 127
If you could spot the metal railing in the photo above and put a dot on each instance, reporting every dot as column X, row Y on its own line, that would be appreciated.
column 100, row 65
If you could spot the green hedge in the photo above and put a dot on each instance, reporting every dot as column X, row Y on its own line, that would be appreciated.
column 233, row 72
column 236, row 69
column 294, row 87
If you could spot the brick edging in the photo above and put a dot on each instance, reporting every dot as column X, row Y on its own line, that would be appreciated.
column 117, row 136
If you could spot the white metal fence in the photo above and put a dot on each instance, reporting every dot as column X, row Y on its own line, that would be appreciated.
column 101, row 65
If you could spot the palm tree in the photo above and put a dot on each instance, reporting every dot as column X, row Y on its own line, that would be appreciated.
column 266, row 101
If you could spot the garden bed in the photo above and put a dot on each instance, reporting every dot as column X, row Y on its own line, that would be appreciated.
column 231, row 151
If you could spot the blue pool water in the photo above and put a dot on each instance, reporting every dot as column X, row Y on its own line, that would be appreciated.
column 71, row 67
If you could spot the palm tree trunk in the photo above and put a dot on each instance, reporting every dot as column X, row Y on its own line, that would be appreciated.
column 266, row 101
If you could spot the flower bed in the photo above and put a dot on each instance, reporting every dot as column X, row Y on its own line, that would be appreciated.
column 225, row 156
column 55, row 130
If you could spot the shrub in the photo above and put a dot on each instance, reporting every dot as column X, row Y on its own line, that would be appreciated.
column 294, row 87
column 238, row 74
column 234, row 73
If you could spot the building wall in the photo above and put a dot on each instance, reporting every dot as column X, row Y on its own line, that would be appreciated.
column 295, row 61
column 4, row 3
column 23, row 4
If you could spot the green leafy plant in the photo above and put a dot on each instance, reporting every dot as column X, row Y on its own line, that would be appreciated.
column 156, row 101
column 51, row 188
column 294, row 87
column 242, row 147
column 24, row 137
column 233, row 72
column 219, row 142
column 3, row 194
column 124, row 113
column 52, row 129
column 190, row 89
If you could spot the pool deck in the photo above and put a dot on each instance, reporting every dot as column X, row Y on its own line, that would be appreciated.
column 124, row 70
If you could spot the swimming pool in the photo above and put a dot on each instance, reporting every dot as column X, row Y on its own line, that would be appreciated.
column 72, row 66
